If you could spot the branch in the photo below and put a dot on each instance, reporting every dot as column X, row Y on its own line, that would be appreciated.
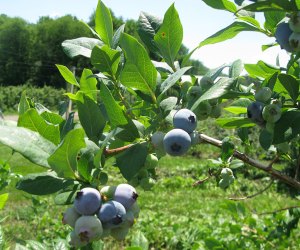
column 111, row 152
column 252, row 195
column 279, row 210
column 243, row 157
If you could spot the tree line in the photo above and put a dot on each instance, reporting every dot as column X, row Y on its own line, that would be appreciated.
column 29, row 52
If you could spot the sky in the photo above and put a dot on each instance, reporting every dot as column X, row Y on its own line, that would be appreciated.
column 199, row 21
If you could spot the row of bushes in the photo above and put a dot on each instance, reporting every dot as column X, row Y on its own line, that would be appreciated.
column 48, row 96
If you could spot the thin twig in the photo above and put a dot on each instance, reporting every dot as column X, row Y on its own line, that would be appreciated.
column 243, row 157
column 252, row 195
column 279, row 210
column 199, row 182
column 111, row 152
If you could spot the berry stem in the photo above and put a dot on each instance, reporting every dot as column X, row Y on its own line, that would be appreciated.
column 111, row 152
column 243, row 157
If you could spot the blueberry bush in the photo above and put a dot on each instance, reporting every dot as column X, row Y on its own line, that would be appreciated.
column 133, row 110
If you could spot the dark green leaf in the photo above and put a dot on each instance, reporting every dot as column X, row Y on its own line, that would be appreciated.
column 91, row 118
column 139, row 72
column 64, row 160
column 229, row 32
column 148, row 25
column 41, row 183
column 169, row 36
column 227, row 149
column 66, row 197
column 28, row 143
column 287, row 127
column 33, row 121
column 265, row 139
column 106, row 60
column 272, row 19
column 80, row 46
column 132, row 160
column 290, row 84
column 68, row 125
column 103, row 24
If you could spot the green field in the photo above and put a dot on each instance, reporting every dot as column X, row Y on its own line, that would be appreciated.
column 174, row 214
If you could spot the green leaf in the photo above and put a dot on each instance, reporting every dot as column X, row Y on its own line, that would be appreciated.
column 68, row 125
column 114, row 111
column 28, row 143
column 236, row 68
column 64, row 160
column 41, row 183
column 169, row 36
column 91, row 118
column 106, row 60
column 234, row 122
column 148, row 26
column 52, row 118
column 261, row 69
column 229, row 32
column 272, row 19
column 168, row 104
column 171, row 80
column 66, row 197
column 24, row 104
column 272, row 5
column 67, row 75
column 221, row 5
column 227, row 149
column 265, row 139
column 32, row 244
column 3, row 199
column 236, row 110
column 139, row 240
column 117, row 36
column 287, row 127
column 80, row 46
column 33, row 121
column 139, row 72
column 291, row 84
column 103, row 24
column 132, row 160
column 88, row 84
column 220, row 88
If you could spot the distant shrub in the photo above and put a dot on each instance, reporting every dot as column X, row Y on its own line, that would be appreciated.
column 48, row 96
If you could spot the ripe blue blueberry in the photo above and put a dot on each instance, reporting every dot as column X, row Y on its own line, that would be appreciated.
column 87, row 201
column 126, row 195
column 177, row 142
column 282, row 35
column 254, row 112
column 185, row 119
column 111, row 214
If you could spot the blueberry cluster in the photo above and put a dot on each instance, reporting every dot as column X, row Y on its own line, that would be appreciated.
column 96, row 215
column 287, row 33
column 265, row 111
column 178, row 140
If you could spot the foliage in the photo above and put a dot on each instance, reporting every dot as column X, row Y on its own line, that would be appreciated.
column 48, row 96
column 128, row 97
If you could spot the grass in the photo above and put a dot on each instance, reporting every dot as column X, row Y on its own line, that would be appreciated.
column 174, row 214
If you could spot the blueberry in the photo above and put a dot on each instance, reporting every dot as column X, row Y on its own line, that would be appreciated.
column 111, row 214
column 226, row 173
column 206, row 83
column 87, row 201
column 88, row 228
column 294, row 40
column 126, row 195
column 263, row 95
column 294, row 22
column 282, row 35
column 107, row 192
column 185, row 119
column 75, row 240
column 177, row 142
column 254, row 112
column 70, row 216
column 151, row 161
column 203, row 110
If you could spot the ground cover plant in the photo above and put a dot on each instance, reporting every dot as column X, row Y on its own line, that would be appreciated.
column 135, row 112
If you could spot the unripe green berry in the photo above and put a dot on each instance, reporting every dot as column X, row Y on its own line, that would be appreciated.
column 223, row 183
column 283, row 147
column 294, row 40
column 271, row 113
column 107, row 192
column 294, row 22
column 216, row 111
column 206, row 83
column 226, row 173
column 263, row 95
column 151, row 161
column 203, row 110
